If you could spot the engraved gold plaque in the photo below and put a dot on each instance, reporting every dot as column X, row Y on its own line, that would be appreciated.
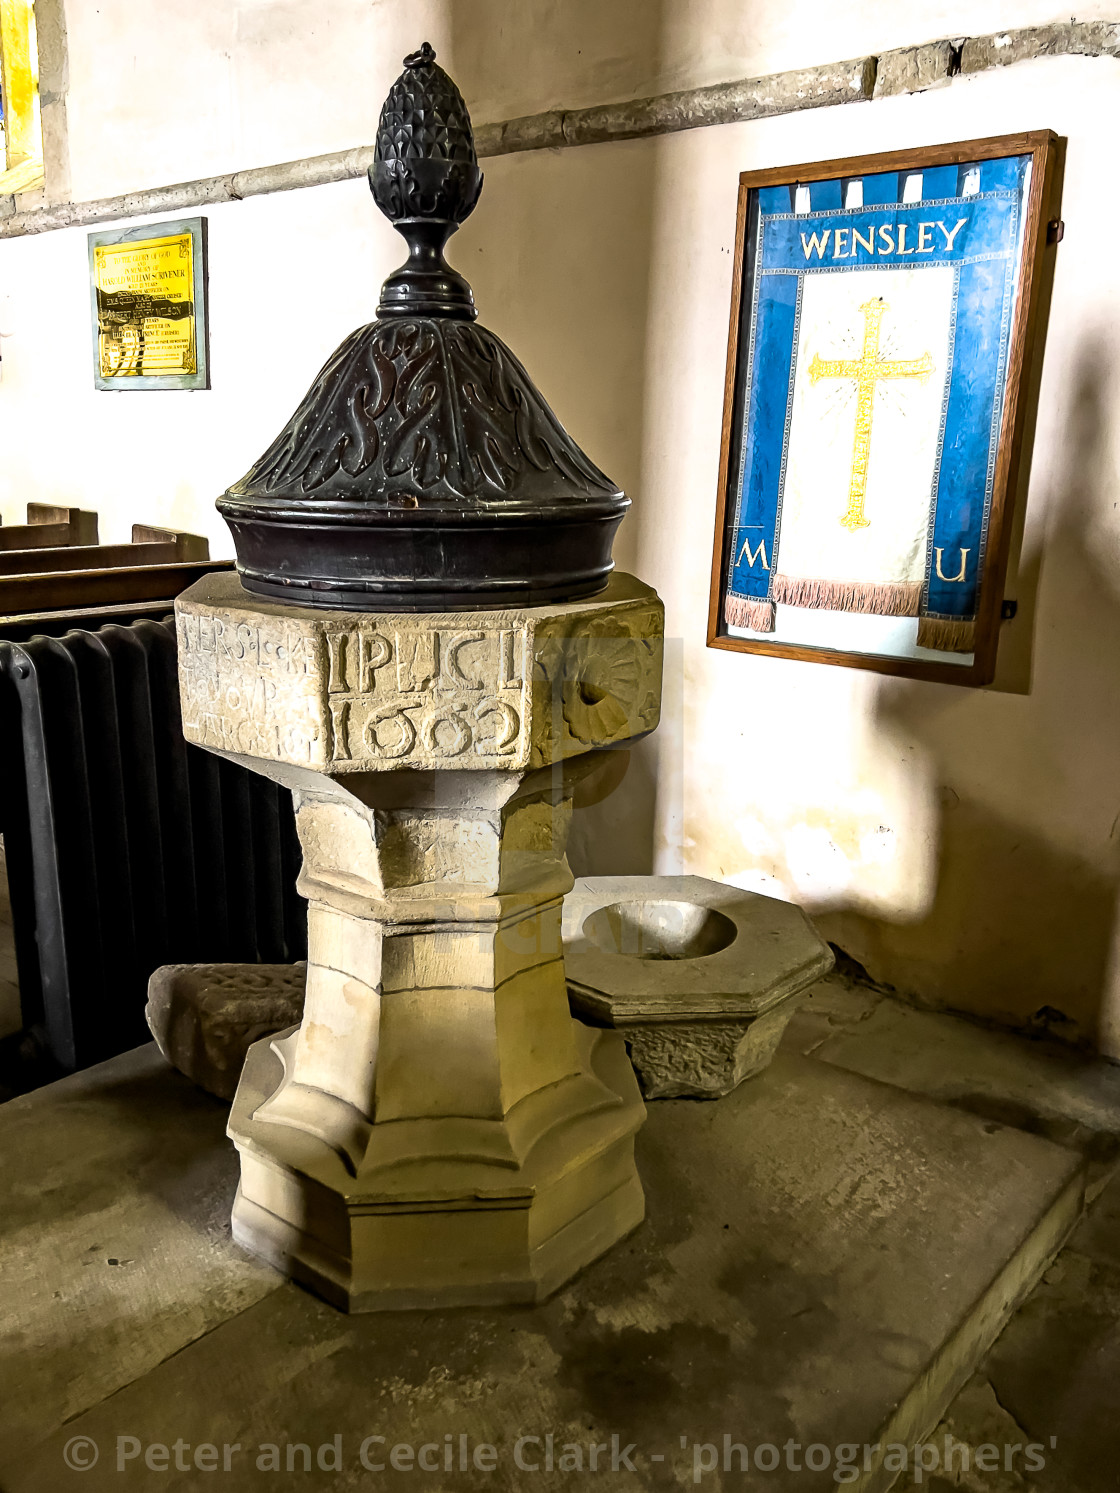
column 148, row 292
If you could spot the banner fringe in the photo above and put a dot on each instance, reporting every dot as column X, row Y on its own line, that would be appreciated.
column 887, row 599
column 947, row 634
column 749, row 611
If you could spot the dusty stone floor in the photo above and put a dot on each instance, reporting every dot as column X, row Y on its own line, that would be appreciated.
column 1052, row 1378
column 205, row 1339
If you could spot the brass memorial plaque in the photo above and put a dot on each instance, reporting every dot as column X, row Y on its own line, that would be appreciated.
column 148, row 288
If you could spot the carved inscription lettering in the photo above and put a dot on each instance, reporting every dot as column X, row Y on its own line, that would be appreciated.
column 246, row 688
column 357, row 654
column 285, row 653
column 417, row 660
column 422, row 692
column 381, row 693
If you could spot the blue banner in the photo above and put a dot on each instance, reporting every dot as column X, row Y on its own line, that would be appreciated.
column 969, row 218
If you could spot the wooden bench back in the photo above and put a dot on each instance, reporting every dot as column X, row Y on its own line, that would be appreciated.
column 149, row 547
column 54, row 564
column 49, row 527
column 85, row 557
column 187, row 546
column 77, row 589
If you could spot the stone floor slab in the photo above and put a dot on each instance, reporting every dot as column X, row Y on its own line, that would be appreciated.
column 1056, row 1368
column 1049, row 1381
column 115, row 1247
column 1042, row 1085
column 825, row 1260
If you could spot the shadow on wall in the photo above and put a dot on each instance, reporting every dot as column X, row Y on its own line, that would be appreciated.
column 1021, row 923
column 559, row 254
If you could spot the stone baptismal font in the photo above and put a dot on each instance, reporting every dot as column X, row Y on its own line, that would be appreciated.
column 426, row 643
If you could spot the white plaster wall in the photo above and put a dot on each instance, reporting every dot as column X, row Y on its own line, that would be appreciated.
column 964, row 840
column 963, row 844
column 163, row 92
column 290, row 275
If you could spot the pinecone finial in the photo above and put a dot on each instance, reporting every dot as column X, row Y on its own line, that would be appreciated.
column 425, row 179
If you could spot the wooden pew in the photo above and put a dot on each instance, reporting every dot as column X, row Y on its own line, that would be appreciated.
column 164, row 547
column 82, row 524
column 55, row 576
column 37, row 603
column 50, row 527
column 75, row 557
column 187, row 546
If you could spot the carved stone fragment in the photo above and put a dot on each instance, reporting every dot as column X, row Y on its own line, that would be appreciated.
column 913, row 69
column 1060, row 39
column 205, row 1017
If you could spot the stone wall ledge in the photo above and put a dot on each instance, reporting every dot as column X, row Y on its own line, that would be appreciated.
column 900, row 71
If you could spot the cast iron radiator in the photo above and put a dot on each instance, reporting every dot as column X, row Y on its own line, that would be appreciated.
column 127, row 848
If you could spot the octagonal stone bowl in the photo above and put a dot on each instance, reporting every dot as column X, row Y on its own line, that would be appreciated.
column 700, row 977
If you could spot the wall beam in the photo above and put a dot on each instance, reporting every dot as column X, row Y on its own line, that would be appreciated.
column 903, row 70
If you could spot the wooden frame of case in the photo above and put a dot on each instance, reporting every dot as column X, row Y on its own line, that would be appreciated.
column 1042, row 230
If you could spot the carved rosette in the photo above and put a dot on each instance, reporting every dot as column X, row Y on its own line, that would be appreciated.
column 602, row 679
column 424, row 470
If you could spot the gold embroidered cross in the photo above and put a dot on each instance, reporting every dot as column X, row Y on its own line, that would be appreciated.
column 867, row 370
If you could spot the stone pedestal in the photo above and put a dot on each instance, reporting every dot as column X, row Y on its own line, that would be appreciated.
column 438, row 1130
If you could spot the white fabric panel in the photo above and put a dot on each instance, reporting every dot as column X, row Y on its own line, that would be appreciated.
column 905, row 428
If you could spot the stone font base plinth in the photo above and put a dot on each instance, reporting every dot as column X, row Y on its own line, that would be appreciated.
column 362, row 1248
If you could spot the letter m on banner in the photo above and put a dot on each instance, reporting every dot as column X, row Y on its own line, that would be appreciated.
column 753, row 559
